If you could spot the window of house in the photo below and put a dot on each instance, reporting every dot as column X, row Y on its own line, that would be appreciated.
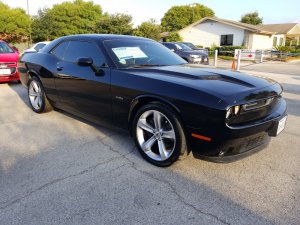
column 281, row 41
column 226, row 40
column 274, row 41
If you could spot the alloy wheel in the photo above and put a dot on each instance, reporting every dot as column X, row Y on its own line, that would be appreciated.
column 156, row 135
column 35, row 95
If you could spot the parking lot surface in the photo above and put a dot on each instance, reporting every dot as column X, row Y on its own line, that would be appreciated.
column 58, row 169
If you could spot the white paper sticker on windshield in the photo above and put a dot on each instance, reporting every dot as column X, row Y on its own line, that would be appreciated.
column 129, row 53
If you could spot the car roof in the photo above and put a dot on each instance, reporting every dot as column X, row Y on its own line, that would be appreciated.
column 102, row 37
column 95, row 37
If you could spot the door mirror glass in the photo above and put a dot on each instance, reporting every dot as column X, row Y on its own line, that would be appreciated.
column 85, row 61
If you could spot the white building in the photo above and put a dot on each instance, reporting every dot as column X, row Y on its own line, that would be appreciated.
column 214, row 31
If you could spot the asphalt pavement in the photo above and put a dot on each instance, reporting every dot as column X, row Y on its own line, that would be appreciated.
column 59, row 169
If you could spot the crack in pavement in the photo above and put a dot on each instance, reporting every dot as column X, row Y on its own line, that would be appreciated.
column 174, row 190
column 131, row 163
column 87, row 170
column 292, row 176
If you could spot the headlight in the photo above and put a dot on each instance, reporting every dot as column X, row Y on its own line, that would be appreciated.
column 195, row 56
column 233, row 111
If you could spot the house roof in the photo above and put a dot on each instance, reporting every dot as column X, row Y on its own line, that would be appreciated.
column 261, row 29
column 283, row 28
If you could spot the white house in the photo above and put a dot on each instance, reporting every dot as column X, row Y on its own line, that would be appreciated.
column 220, row 32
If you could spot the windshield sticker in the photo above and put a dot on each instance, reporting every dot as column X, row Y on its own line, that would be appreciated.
column 129, row 53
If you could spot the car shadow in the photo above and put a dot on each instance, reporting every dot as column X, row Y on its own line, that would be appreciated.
column 19, row 89
column 106, row 180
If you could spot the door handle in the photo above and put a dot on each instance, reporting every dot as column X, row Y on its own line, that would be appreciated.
column 59, row 68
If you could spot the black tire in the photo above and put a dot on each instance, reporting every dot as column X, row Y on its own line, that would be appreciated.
column 44, row 105
column 171, row 119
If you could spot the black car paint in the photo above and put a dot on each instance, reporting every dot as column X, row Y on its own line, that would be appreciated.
column 200, row 96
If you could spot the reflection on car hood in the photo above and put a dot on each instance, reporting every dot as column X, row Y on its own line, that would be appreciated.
column 195, row 52
column 221, row 83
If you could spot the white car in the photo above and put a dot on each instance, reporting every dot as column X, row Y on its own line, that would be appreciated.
column 37, row 47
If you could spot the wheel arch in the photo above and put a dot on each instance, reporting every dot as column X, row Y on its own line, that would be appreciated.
column 32, row 73
column 142, row 100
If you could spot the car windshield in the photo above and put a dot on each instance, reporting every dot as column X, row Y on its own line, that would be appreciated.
column 140, row 53
column 190, row 45
column 4, row 48
column 183, row 46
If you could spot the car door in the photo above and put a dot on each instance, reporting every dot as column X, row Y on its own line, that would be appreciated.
column 82, row 89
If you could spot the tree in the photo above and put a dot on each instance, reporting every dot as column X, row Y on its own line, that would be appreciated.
column 115, row 24
column 40, row 32
column 252, row 18
column 179, row 17
column 174, row 36
column 14, row 24
column 77, row 17
column 149, row 29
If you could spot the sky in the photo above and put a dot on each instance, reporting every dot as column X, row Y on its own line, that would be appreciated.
column 272, row 11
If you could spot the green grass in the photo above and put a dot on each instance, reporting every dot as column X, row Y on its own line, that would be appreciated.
column 224, row 57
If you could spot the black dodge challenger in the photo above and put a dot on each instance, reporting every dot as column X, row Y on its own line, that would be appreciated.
column 170, row 107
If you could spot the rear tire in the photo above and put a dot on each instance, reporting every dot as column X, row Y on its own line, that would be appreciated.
column 37, row 97
column 159, row 135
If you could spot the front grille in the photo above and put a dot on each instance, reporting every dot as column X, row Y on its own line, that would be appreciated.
column 255, row 113
column 7, row 64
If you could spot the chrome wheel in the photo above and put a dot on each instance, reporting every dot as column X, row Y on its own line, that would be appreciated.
column 156, row 135
column 35, row 95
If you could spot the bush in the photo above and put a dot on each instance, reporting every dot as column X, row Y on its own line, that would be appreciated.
column 283, row 48
column 228, row 50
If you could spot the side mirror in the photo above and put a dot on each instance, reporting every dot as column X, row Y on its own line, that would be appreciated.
column 172, row 49
column 86, row 61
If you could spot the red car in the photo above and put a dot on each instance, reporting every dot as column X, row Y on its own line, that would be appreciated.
column 8, row 63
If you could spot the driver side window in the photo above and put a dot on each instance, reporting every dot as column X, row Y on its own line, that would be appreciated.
column 79, row 49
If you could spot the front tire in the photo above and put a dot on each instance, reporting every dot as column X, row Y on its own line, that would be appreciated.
column 37, row 98
column 159, row 135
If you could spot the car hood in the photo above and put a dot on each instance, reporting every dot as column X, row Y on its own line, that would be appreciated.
column 9, row 57
column 195, row 52
column 227, row 85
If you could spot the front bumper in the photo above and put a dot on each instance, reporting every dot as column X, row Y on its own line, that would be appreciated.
column 8, row 78
column 201, row 60
column 234, row 143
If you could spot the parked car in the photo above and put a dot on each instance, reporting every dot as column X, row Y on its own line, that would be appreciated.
column 8, row 63
column 36, row 47
column 192, row 46
column 188, row 54
column 169, row 106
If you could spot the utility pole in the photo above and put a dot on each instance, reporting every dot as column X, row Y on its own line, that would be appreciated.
column 193, row 7
column 29, row 41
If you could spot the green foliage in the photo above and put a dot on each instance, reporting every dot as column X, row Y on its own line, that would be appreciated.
column 115, row 24
column 252, row 18
column 179, row 17
column 77, row 17
column 283, row 48
column 225, row 50
column 14, row 24
column 174, row 37
column 149, row 29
